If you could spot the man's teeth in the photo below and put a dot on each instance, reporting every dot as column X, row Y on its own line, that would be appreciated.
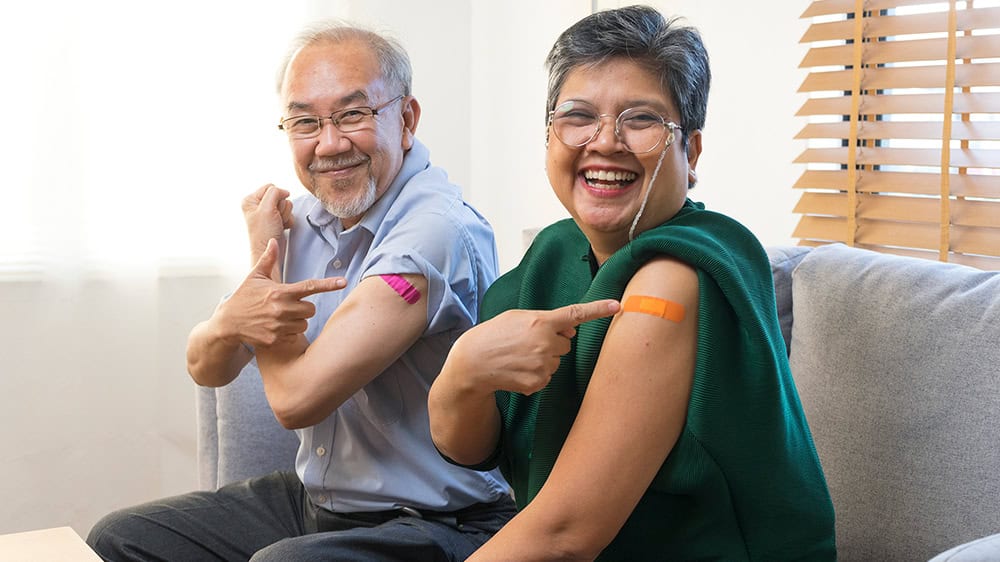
column 609, row 176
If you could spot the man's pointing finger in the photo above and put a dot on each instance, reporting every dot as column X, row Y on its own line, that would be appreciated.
column 313, row 286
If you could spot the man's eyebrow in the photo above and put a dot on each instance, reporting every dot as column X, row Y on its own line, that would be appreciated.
column 295, row 105
column 352, row 99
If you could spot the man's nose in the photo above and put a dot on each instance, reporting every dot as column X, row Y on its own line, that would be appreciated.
column 331, row 140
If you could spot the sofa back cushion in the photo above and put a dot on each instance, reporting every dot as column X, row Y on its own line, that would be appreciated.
column 784, row 260
column 896, row 361
column 238, row 435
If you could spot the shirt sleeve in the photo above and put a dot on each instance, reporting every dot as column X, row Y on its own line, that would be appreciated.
column 442, row 250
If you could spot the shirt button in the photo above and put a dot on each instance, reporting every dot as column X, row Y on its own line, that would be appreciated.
column 321, row 499
column 321, row 451
column 337, row 264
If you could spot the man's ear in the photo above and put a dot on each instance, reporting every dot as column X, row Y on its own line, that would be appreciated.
column 411, row 116
column 693, row 152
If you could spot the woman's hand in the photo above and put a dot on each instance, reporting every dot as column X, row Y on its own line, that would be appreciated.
column 516, row 351
column 520, row 349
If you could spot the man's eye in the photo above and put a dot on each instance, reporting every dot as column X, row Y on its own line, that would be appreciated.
column 303, row 123
column 351, row 115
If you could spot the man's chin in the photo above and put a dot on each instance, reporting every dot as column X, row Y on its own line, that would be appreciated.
column 349, row 208
column 345, row 200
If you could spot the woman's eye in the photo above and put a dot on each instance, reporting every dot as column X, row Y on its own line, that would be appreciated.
column 577, row 116
column 642, row 120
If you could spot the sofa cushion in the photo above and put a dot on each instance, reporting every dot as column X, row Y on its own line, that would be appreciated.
column 208, row 438
column 251, row 442
column 896, row 361
column 783, row 261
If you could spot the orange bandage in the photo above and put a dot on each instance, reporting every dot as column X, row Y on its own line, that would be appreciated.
column 656, row 306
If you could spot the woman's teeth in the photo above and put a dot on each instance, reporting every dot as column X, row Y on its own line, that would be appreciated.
column 604, row 178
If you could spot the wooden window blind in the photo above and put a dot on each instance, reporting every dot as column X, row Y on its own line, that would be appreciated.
column 903, row 132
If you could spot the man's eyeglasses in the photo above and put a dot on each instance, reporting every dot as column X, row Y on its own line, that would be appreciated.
column 347, row 120
column 639, row 129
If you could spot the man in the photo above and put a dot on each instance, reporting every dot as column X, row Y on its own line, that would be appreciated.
column 394, row 264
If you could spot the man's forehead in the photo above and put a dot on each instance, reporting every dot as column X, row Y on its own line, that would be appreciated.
column 357, row 97
column 342, row 54
column 332, row 74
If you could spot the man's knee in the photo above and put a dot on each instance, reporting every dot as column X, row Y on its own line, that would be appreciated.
column 283, row 550
column 108, row 535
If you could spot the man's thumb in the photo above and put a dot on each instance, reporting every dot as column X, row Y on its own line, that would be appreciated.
column 265, row 263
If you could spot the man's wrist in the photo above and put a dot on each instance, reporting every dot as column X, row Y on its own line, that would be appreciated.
column 221, row 330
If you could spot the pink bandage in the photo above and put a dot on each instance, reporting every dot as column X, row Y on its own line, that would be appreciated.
column 409, row 293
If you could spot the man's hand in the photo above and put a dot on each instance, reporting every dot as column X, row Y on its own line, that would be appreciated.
column 519, row 350
column 267, row 212
column 263, row 312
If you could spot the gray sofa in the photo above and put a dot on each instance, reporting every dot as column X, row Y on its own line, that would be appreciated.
column 897, row 363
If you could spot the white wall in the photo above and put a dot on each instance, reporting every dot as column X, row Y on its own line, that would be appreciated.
column 746, row 168
column 97, row 412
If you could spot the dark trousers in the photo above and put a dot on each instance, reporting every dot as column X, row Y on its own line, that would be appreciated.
column 271, row 519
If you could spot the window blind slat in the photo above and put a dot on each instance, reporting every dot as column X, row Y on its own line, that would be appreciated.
column 960, row 157
column 964, row 212
column 825, row 204
column 882, row 52
column 828, row 8
column 878, row 235
column 966, row 76
column 834, row 7
column 966, row 102
column 976, row 240
column 961, row 130
column 828, row 229
column 892, row 233
column 925, row 236
column 886, row 26
column 976, row 213
column 869, row 181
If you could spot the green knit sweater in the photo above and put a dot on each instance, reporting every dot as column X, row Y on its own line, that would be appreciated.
column 743, row 481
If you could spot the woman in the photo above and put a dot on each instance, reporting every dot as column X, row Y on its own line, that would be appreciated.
column 673, row 430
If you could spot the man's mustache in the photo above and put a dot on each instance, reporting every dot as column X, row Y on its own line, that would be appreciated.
column 330, row 164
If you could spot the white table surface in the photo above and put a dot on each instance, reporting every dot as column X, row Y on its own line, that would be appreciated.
column 59, row 544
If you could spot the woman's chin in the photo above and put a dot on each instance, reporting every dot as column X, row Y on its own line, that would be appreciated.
column 603, row 224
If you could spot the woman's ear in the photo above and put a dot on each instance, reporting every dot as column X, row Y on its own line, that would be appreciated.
column 693, row 152
column 411, row 117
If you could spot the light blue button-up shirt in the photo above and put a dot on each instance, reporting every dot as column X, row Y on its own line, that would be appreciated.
column 375, row 451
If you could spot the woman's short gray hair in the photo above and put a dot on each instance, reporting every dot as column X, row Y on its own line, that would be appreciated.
column 393, row 60
column 672, row 51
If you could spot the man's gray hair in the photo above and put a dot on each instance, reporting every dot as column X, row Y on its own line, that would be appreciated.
column 393, row 60
column 672, row 51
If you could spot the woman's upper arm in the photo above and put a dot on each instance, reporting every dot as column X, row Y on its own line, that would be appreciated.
column 633, row 411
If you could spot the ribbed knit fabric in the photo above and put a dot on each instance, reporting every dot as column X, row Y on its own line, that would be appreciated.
column 743, row 481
